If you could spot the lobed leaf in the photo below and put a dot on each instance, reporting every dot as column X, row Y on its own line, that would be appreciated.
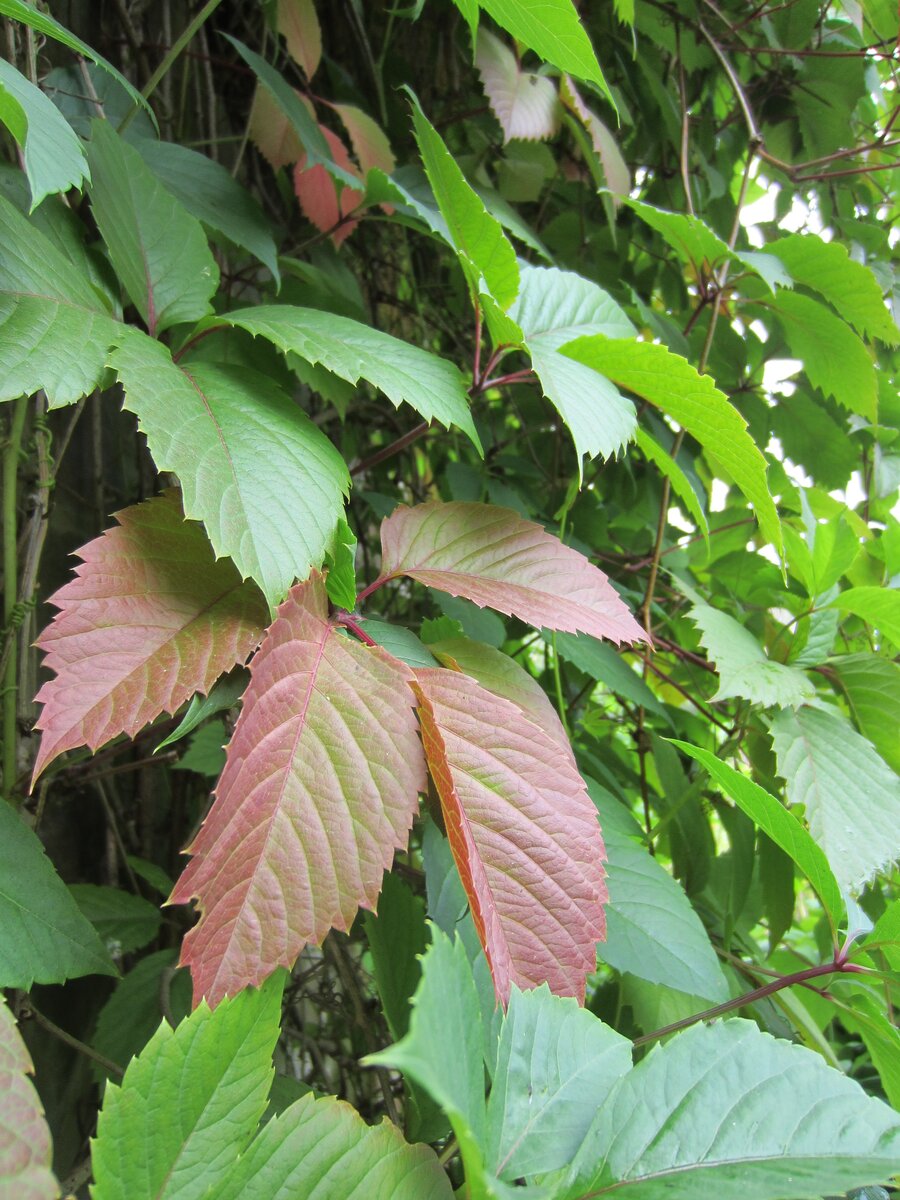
column 523, row 831
column 25, row 1150
column 212, row 425
column 150, row 618
column 319, row 789
column 493, row 557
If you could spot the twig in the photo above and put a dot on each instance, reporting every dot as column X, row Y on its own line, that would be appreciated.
column 28, row 1012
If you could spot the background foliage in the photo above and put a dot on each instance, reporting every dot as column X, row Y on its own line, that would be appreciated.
column 609, row 285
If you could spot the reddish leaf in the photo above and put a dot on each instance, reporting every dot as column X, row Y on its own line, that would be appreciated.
column 525, row 104
column 368, row 139
column 523, row 831
column 25, row 1150
column 298, row 24
column 272, row 132
column 493, row 557
column 317, row 191
column 319, row 789
column 150, row 618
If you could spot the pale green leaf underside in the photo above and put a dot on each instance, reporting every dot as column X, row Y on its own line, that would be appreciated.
column 432, row 386
column 54, row 329
column 600, row 419
column 727, row 1111
column 158, row 249
column 851, row 796
column 190, row 1102
column 213, row 426
column 744, row 668
column 43, row 936
column 54, row 159
column 671, row 384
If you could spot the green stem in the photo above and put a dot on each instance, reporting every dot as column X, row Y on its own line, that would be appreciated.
column 171, row 58
column 10, row 589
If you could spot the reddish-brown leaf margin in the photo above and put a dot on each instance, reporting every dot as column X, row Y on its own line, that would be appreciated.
column 320, row 787
column 523, row 831
column 150, row 618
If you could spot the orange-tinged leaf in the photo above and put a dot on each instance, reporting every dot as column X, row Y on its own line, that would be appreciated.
column 523, row 831
column 493, row 557
column 368, row 139
column 150, row 618
column 317, row 191
column 298, row 24
column 319, row 789
column 272, row 132
column 525, row 104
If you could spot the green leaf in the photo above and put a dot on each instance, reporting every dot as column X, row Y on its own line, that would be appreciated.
column 205, row 754
column 397, row 938
column 399, row 641
column 689, row 237
column 442, row 1050
column 554, row 307
column 25, row 1148
column 210, row 1077
column 778, row 824
column 877, row 606
column 886, row 934
column 340, row 582
column 744, row 668
column 681, row 485
column 828, row 269
column 124, row 922
column 225, row 694
column 54, row 159
column 209, row 193
column 212, row 426
column 671, row 384
column 323, row 1148
column 551, row 29
column 555, row 1065
column 29, row 15
column 727, row 1111
column 834, row 358
column 851, row 796
column 652, row 929
column 54, row 328
column 478, row 237
column 606, row 665
column 432, row 386
column 865, row 1015
column 158, row 249
column 43, row 936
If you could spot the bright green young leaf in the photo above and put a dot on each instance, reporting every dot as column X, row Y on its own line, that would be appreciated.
column 551, row 29
column 54, row 328
column 19, row 10
column 681, row 485
column 432, row 386
column 778, row 824
column 555, row 1066
column 43, row 936
column 851, row 796
column 671, row 384
column 850, row 287
column 212, row 426
column 877, row 606
column 209, row 193
column 871, row 687
column 158, row 249
column 478, row 237
column 690, row 238
column 323, row 1148
column 744, row 668
column 727, row 1111
column 25, row 1149
column 124, row 921
column 834, row 358
column 340, row 582
column 442, row 1050
column 652, row 930
column 54, row 159
column 210, row 1077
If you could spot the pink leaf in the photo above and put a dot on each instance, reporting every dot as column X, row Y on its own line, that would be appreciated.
column 523, row 831
column 525, row 104
column 150, row 618
column 493, row 557
column 319, row 789
column 317, row 192
column 25, row 1150
column 298, row 24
